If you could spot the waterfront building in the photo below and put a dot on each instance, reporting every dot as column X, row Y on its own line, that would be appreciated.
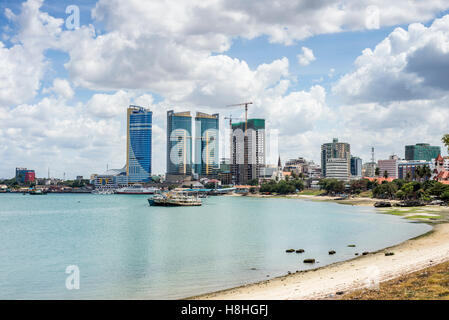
column 179, row 145
column 369, row 169
column 407, row 169
column 337, row 168
column 335, row 149
column 138, row 145
column 356, row 167
column 440, row 173
column 247, row 150
column 421, row 151
column 390, row 166
column 206, row 144
column 23, row 175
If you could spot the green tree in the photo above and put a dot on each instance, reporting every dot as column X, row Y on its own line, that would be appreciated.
column 445, row 140
column 385, row 174
column 377, row 172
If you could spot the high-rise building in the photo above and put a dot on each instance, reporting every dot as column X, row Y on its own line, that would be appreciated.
column 247, row 150
column 23, row 175
column 138, row 146
column 337, row 168
column 421, row 151
column 206, row 144
column 390, row 166
column 356, row 167
column 179, row 143
column 335, row 150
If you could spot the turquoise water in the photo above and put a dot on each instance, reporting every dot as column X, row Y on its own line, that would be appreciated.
column 126, row 249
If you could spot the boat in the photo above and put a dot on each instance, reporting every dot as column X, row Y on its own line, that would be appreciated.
column 174, row 199
column 103, row 191
column 37, row 192
column 137, row 189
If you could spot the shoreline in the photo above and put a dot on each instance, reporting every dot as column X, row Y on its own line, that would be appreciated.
column 429, row 249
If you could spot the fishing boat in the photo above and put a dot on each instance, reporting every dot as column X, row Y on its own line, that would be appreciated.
column 137, row 189
column 37, row 192
column 174, row 199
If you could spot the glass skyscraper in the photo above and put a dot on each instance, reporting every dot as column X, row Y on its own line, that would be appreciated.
column 179, row 143
column 138, row 146
column 422, row 151
column 206, row 143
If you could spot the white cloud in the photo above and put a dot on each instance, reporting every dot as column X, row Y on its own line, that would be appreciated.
column 306, row 57
column 62, row 88
column 407, row 65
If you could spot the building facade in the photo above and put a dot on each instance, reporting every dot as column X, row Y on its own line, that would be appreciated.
column 407, row 169
column 247, row 150
column 337, row 168
column 390, row 166
column 23, row 175
column 335, row 149
column 206, row 144
column 356, row 167
column 179, row 144
column 421, row 151
column 139, row 139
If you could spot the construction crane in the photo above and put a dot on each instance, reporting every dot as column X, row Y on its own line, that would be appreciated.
column 230, row 118
column 246, row 111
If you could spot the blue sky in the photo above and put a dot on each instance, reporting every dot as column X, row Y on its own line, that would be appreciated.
column 199, row 57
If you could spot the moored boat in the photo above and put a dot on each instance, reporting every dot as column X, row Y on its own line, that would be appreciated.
column 137, row 189
column 174, row 199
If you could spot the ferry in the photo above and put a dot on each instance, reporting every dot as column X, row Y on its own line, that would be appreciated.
column 137, row 189
column 174, row 199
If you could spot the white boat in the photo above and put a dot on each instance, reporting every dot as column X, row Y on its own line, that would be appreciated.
column 174, row 199
column 137, row 189
column 103, row 191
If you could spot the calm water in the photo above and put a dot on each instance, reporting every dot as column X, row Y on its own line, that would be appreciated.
column 126, row 249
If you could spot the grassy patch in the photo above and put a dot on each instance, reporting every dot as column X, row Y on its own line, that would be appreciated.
column 430, row 283
column 311, row 192
column 423, row 217
column 366, row 194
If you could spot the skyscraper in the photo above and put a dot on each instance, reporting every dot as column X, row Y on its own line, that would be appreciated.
column 247, row 151
column 206, row 143
column 179, row 143
column 138, row 146
column 356, row 167
column 335, row 150
column 421, row 151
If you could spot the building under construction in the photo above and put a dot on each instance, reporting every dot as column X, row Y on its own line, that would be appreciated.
column 247, row 150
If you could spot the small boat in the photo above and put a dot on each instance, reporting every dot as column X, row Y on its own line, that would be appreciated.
column 37, row 192
column 103, row 191
column 174, row 199
column 137, row 189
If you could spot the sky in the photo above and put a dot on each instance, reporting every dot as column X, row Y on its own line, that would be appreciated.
column 370, row 73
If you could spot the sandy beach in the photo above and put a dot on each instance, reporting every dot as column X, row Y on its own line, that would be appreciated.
column 342, row 277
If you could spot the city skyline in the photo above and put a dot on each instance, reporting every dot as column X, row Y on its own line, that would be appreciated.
column 368, row 82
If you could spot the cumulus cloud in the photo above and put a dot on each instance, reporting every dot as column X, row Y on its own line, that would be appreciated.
column 306, row 57
column 61, row 88
column 407, row 65
column 23, row 65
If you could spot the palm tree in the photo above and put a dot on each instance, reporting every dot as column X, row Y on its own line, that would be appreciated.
column 385, row 174
column 418, row 173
